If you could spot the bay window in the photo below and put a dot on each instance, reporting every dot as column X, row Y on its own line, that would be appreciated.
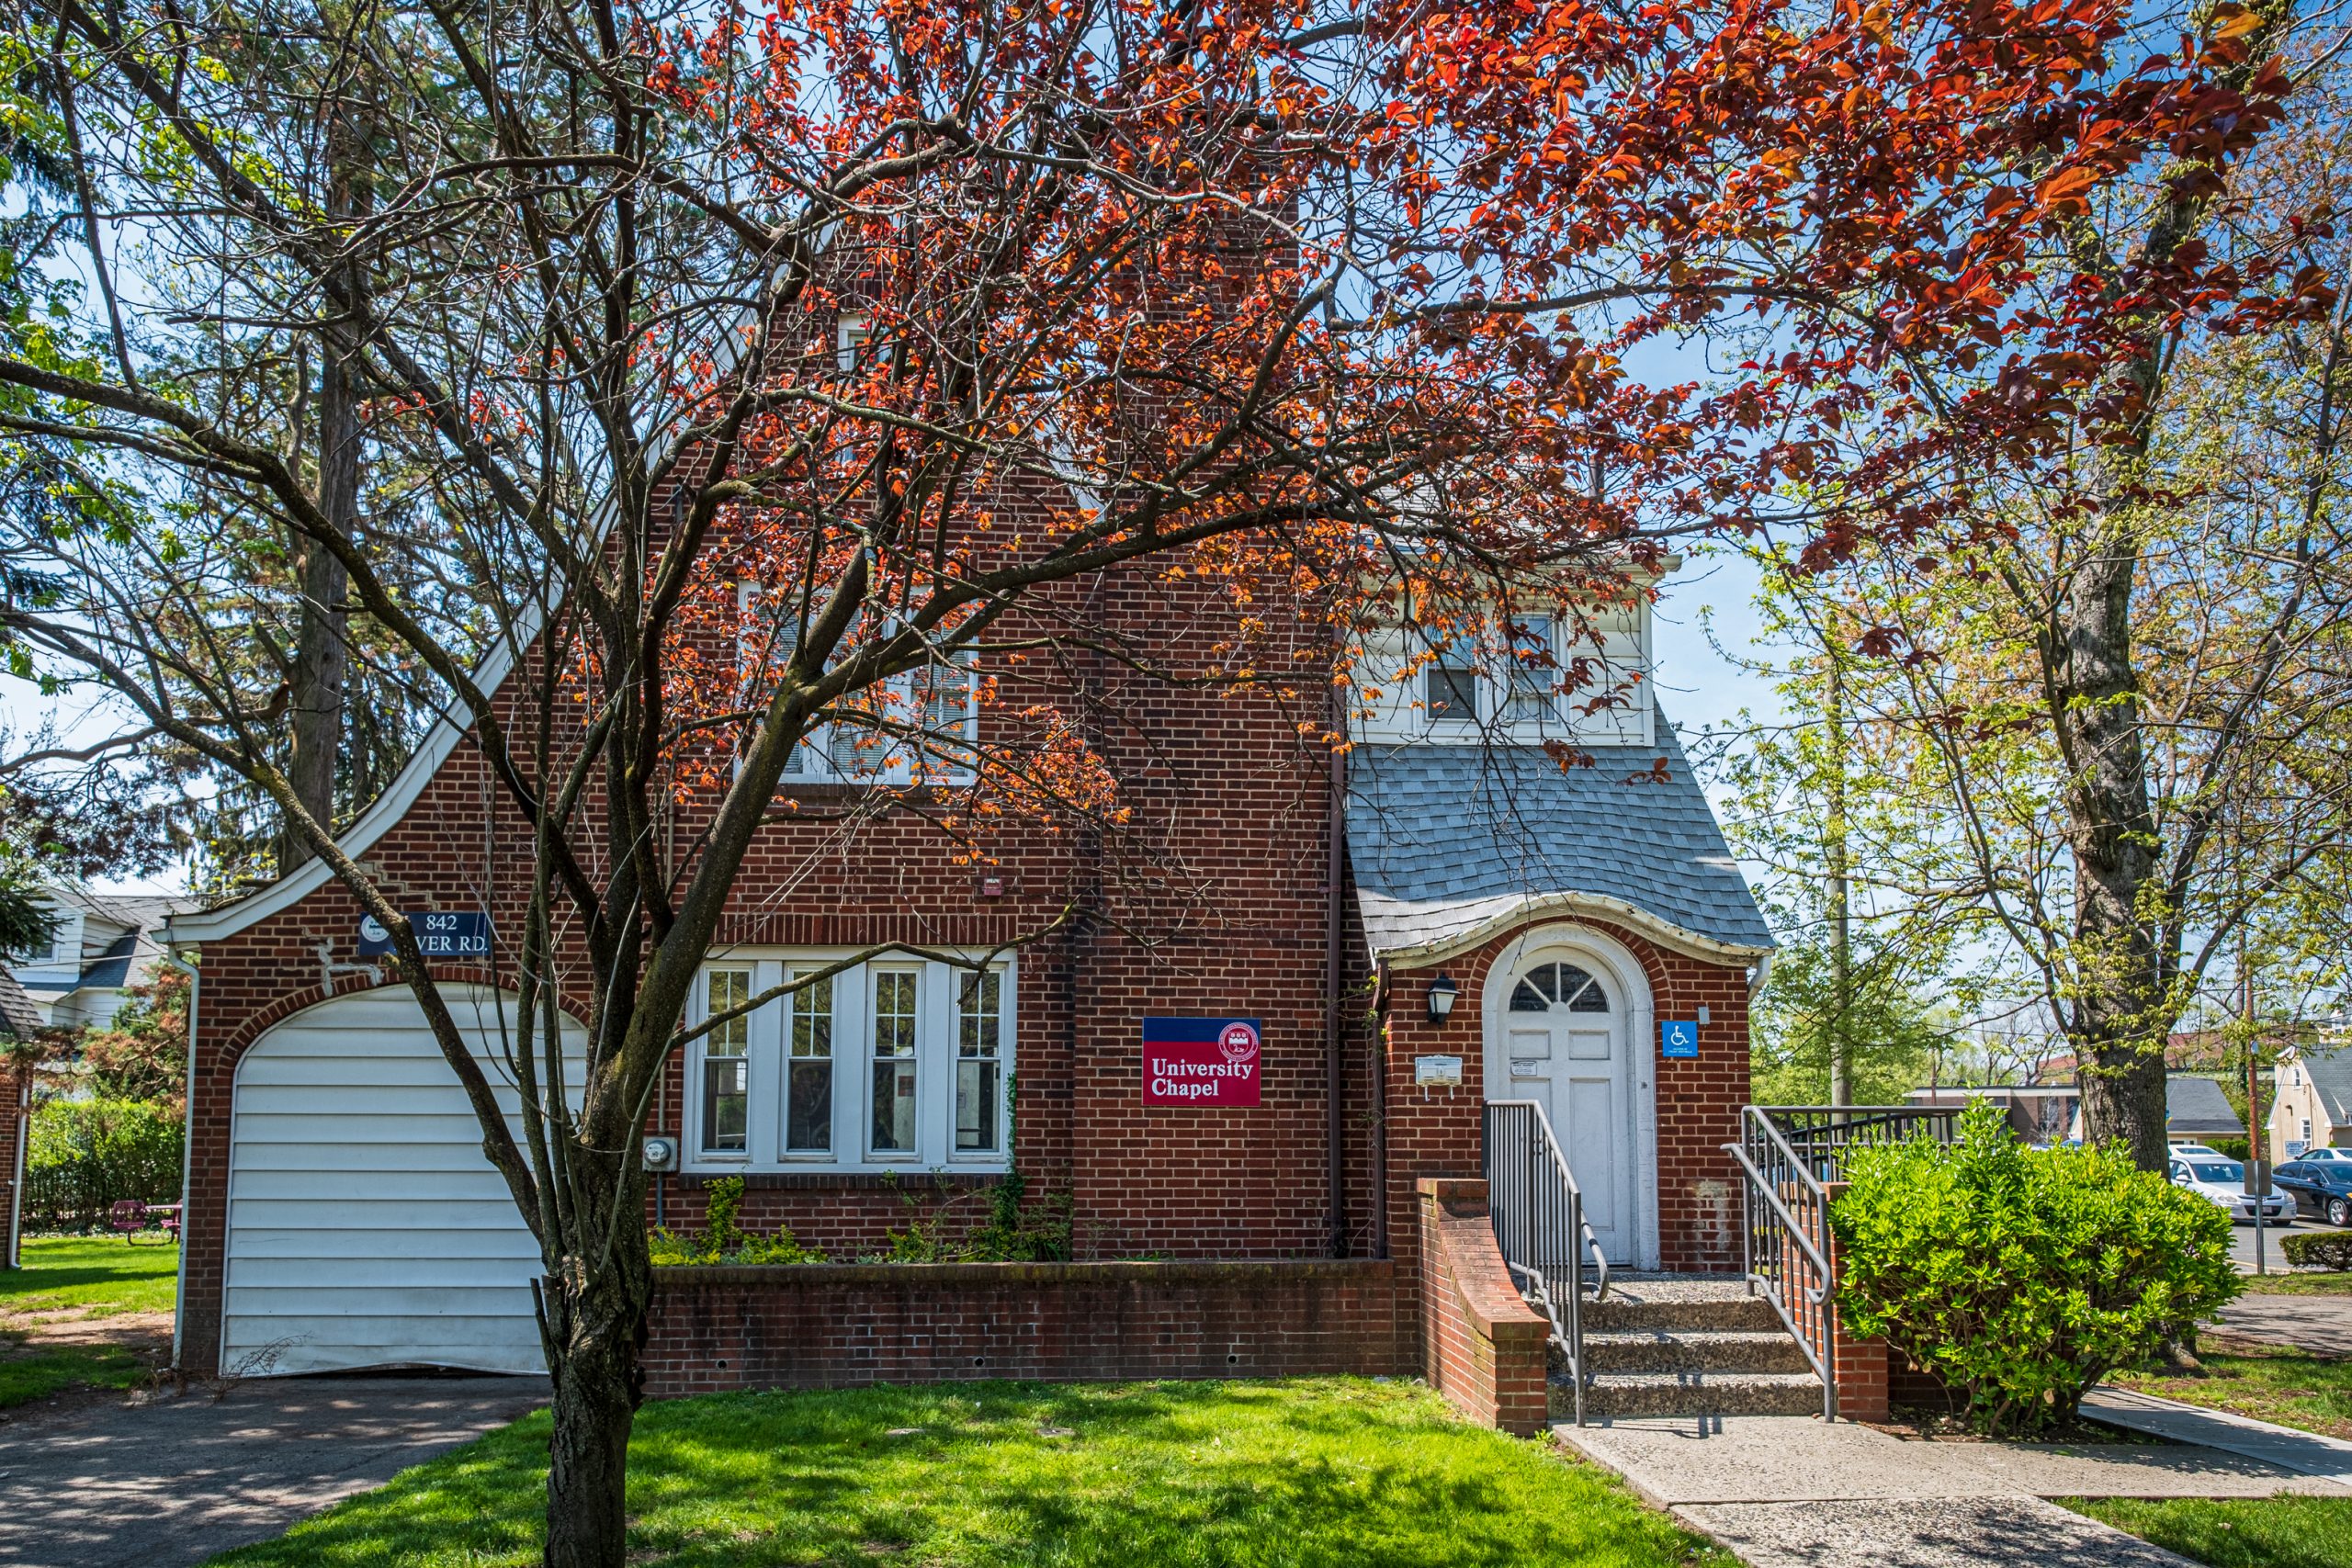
column 896, row 994
column 890, row 1064
column 808, row 1068
column 979, row 1021
column 726, row 1071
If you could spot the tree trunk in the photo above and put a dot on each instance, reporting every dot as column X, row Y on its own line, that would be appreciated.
column 2122, row 1011
column 1838, row 865
column 595, row 1327
column 322, row 656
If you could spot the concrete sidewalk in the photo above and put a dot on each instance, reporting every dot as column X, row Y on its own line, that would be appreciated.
column 2309, row 1453
column 168, row 1485
column 1792, row 1490
column 2320, row 1324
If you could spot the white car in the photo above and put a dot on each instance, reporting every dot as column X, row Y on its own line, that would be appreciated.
column 2204, row 1151
column 2224, row 1181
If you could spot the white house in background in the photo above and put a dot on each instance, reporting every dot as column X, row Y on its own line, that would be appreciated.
column 2312, row 1108
column 105, row 944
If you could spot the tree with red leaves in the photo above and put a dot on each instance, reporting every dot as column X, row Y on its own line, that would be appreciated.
column 770, row 371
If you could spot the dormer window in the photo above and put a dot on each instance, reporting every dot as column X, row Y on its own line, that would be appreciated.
column 1579, row 679
column 1450, row 687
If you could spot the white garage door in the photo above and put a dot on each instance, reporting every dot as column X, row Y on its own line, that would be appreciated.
column 365, row 1229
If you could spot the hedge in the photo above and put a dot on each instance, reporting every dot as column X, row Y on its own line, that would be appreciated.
column 2318, row 1249
column 2021, row 1277
column 84, row 1155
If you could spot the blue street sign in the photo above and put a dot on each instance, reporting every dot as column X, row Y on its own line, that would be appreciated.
column 439, row 934
column 1677, row 1036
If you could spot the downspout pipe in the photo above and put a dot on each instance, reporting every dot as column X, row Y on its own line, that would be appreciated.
column 1335, row 1110
column 188, row 1153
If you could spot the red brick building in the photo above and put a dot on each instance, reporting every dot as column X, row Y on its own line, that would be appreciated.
column 1595, row 940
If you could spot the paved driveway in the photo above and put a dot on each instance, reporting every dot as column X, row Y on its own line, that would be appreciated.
column 168, row 1485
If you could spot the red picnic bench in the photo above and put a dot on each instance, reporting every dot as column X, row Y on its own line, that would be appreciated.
column 131, row 1216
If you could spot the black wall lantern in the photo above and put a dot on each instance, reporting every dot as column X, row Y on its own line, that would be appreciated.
column 1442, row 994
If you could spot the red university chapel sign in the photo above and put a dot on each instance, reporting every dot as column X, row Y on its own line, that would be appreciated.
column 1200, row 1061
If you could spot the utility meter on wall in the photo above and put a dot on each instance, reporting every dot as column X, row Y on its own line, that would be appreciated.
column 661, row 1155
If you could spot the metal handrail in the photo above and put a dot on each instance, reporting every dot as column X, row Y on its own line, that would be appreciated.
column 1534, row 1204
column 1788, row 1154
column 1803, row 1325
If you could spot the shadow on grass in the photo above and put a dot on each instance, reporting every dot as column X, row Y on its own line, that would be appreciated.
column 79, row 1271
column 1208, row 1475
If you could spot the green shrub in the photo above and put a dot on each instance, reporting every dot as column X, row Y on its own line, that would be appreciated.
column 2022, row 1277
column 722, row 1239
column 82, row 1157
column 2318, row 1249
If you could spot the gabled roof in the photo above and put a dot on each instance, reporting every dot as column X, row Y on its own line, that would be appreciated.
column 1449, row 844
column 2196, row 1106
column 20, row 1018
column 2331, row 1076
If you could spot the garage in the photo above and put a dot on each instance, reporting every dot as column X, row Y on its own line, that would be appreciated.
column 365, row 1229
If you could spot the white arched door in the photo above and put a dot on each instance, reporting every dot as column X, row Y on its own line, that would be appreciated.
column 1567, row 1044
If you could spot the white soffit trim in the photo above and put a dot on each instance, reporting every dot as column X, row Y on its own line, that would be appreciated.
column 1488, row 918
column 380, row 818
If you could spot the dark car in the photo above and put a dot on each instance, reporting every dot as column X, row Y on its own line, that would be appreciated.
column 2320, row 1187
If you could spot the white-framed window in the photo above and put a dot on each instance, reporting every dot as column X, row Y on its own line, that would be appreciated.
column 931, row 714
column 725, row 1065
column 979, row 1060
column 890, row 1064
column 808, row 1067
column 850, row 338
column 894, row 1039
column 1464, row 690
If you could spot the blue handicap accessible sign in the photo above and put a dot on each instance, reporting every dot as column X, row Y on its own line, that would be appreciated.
column 1677, row 1036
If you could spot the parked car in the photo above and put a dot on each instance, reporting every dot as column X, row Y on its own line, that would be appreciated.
column 2198, row 1151
column 2320, row 1187
column 2224, row 1181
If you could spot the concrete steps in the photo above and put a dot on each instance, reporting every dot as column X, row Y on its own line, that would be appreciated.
column 1687, row 1345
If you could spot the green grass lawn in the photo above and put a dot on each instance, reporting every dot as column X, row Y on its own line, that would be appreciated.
column 1337, row 1472
column 2242, row 1532
column 52, row 1313
column 2269, row 1382
column 99, row 1275
column 2318, row 1282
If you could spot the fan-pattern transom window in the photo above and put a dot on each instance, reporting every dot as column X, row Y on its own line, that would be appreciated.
column 1550, row 984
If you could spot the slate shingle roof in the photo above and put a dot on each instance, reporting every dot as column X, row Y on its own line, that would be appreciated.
column 2195, row 1108
column 2331, row 1075
column 19, row 1019
column 1442, row 840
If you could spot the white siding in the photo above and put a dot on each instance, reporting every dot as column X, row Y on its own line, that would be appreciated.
column 1618, row 650
column 365, row 1228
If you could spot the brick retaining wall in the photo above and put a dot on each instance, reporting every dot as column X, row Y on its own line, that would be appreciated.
column 1485, row 1348
column 837, row 1325
column 14, row 1120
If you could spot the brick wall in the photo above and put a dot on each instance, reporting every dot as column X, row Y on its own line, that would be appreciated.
column 1208, row 899
column 15, row 1085
column 831, row 1325
column 1435, row 1131
column 1864, row 1368
column 1482, row 1346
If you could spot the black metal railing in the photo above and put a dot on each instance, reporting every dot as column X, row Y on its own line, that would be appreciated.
column 1821, row 1134
column 1538, row 1214
column 1789, row 1155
